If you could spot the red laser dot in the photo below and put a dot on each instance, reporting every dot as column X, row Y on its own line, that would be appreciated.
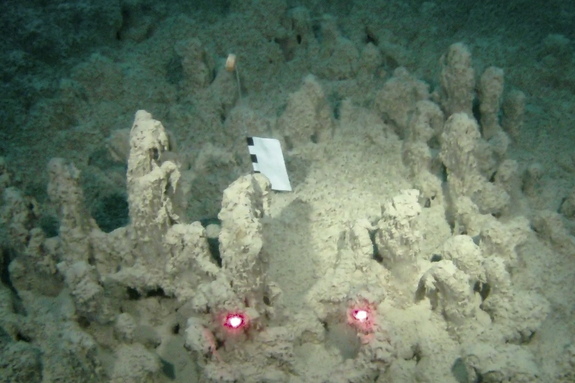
column 360, row 315
column 234, row 321
column 361, row 318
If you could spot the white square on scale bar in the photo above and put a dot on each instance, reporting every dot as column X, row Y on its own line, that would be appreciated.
column 267, row 158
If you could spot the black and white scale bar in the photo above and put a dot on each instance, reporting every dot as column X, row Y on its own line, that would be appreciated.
column 267, row 158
